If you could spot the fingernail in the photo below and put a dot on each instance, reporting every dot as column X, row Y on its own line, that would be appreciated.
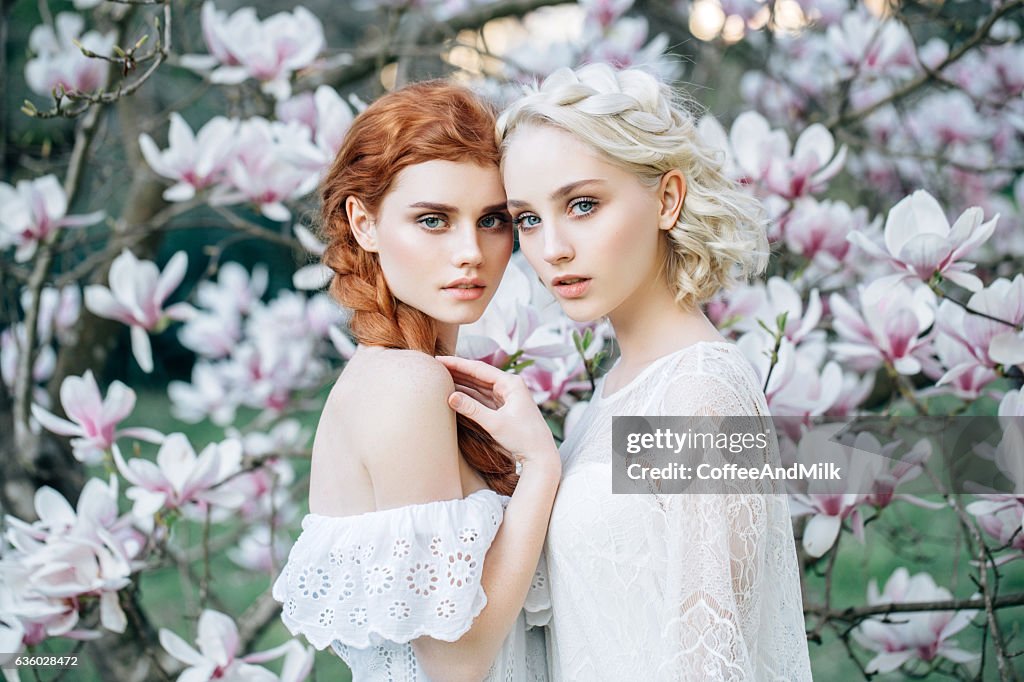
column 455, row 400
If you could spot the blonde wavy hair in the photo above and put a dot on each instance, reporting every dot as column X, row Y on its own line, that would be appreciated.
column 637, row 123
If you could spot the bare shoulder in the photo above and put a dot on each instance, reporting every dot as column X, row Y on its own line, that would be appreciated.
column 416, row 374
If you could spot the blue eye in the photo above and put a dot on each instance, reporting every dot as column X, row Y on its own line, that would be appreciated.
column 432, row 222
column 524, row 222
column 582, row 207
column 495, row 221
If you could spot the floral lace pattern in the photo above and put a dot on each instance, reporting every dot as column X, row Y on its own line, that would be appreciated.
column 369, row 584
column 672, row 587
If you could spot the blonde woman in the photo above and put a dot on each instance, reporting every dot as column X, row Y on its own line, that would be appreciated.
column 624, row 213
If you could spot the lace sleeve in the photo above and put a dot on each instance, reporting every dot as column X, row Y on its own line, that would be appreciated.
column 390, row 575
column 732, row 567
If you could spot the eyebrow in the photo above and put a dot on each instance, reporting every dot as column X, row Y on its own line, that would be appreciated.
column 445, row 208
column 559, row 193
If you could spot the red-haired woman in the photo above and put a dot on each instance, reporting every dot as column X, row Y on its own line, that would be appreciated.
column 406, row 498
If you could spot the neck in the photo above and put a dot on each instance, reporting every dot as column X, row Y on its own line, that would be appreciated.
column 448, row 335
column 651, row 324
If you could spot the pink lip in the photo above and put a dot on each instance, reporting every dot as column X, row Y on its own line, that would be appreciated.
column 465, row 288
column 574, row 290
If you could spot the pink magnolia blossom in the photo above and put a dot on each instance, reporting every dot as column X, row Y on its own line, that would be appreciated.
column 916, row 635
column 94, row 419
column 32, row 210
column 817, row 230
column 920, row 243
column 270, row 51
column 514, row 325
column 891, row 327
column 58, row 312
column 326, row 115
column 853, row 391
column 58, row 62
column 12, row 340
column 179, row 477
column 863, row 44
column 264, row 170
column 209, row 394
column 801, row 383
column 136, row 297
column 218, row 655
column 195, row 161
column 69, row 554
column 985, row 342
column 764, row 156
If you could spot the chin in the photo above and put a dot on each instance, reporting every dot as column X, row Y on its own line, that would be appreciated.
column 582, row 311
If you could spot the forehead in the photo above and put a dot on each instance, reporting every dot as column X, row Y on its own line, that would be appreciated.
column 540, row 157
column 450, row 182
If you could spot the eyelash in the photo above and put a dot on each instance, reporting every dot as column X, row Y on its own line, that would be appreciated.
column 503, row 221
column 517, row 221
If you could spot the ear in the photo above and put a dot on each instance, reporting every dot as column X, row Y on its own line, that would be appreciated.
column 364, row 227
column 671, row 192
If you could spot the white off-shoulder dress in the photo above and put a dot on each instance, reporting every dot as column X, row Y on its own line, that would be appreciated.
column 652, row 587
column 368, row 584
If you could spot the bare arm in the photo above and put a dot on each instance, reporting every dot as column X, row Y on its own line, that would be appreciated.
column 415, row 460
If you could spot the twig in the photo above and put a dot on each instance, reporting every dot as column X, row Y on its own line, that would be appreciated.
column 974, row 40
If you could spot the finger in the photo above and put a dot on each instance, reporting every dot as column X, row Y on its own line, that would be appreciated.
column 476, row 369
column 467, row 380
column 469, row 407
column 485, row 399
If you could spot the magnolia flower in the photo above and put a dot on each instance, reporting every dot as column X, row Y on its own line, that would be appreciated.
column 763, row 155
column 264, row 170
column 801, row 383
column 922, row 635
column 512, row 326
column 218, row 659
column 179, row 477
column 863, row 44
column 325, row 113
column 193, row 161
column 269, row 51
column 69, row 553
column 892, row 326
column 33, row 210
column 94, row 419
column 59, row 62
column 986, row 341
column 136, row 297
column 58, row 312
column 921, row 244
column 817, row 230
column 209, row 394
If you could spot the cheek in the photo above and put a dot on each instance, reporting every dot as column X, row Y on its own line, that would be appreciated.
column 401, row 254
column 497, row 248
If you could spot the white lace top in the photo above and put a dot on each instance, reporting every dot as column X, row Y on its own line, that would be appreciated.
column 671, row 587
column 369, row 584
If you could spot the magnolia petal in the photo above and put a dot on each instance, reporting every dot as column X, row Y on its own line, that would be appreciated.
column 181, row 191
column 312, row 277
column 142, row 433
column 964, row 279
column 111, row 614
column 887, row 662
column 100, row 301
column 171, row 277
column 141, row 348
column 217, row 637
column 176, row 646
column 820, row 534
column 1007, row 348
column 55, row 424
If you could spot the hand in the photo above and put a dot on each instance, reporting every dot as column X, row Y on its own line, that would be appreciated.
column 501, row 403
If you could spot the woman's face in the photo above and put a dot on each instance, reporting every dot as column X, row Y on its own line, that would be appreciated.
column 443, row 236
column 589, row 228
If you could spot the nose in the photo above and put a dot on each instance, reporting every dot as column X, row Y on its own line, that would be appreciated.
column 557, row 249
column 467, row 251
